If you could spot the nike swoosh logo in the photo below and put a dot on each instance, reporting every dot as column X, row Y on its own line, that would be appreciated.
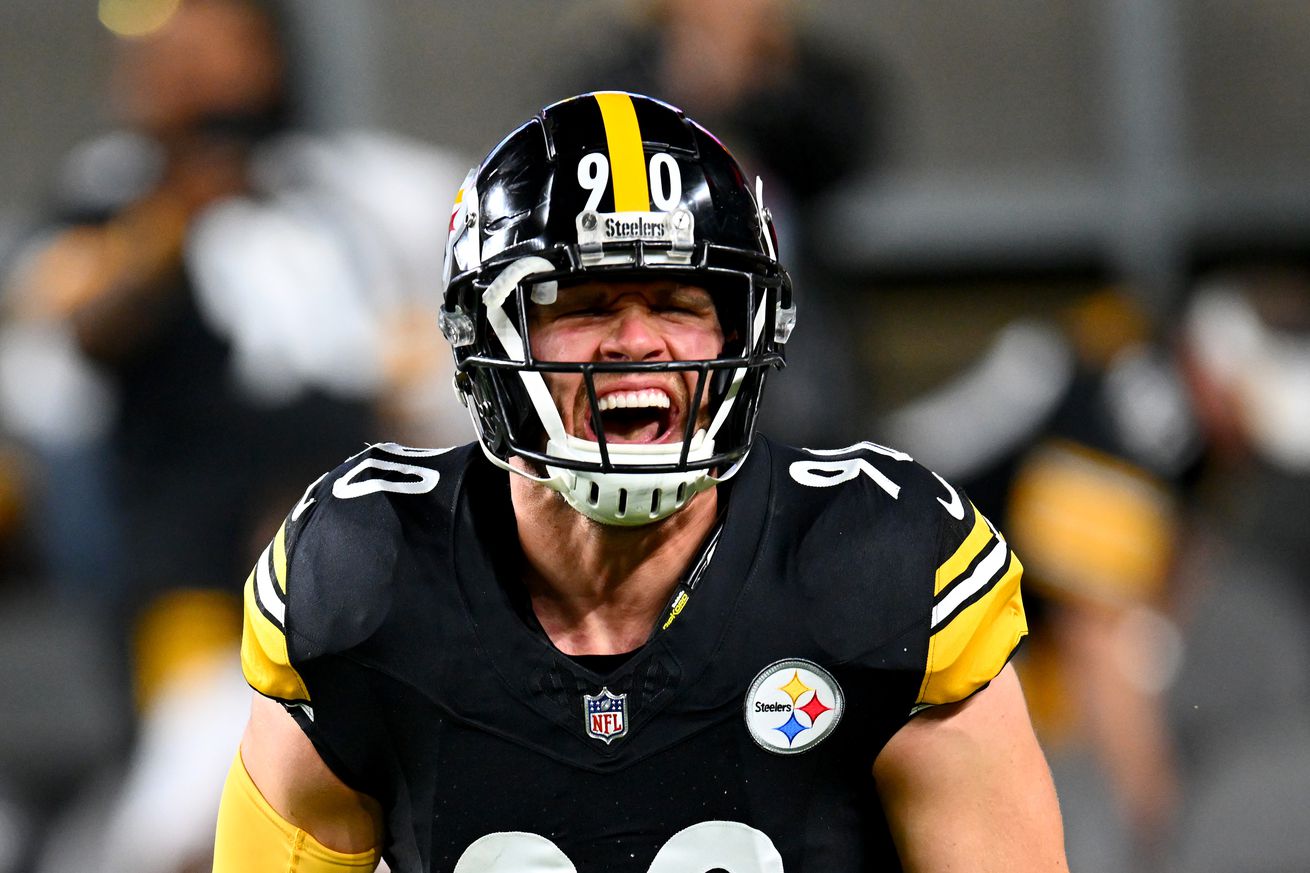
column 955, row 507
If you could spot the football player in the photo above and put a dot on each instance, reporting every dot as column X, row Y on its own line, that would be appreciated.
column 622, row 631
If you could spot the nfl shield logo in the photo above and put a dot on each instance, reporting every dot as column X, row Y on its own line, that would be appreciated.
column 606, row 715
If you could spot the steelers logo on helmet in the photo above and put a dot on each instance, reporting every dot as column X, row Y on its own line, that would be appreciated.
column 792, row 706
column 612, row 188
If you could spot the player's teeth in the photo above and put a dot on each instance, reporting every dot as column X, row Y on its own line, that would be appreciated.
column 644, row 399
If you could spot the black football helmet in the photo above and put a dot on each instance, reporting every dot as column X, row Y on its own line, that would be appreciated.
column 611, row 186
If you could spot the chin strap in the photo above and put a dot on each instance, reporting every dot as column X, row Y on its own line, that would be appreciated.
column 628, row 499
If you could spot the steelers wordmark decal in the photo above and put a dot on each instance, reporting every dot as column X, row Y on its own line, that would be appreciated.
column 792, row 705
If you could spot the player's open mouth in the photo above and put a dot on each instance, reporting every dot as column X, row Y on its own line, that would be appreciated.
column 640, row 416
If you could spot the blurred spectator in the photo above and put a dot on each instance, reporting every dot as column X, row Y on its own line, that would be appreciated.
column 1242, row 701
column 1084, row 440
column 224, row 306
column 797, row 112
column 1156, row 484
column 789, row 103
column 1095, row 510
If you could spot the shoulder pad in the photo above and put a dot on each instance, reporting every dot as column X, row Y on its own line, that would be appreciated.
column 972, row 615
column 323, row 584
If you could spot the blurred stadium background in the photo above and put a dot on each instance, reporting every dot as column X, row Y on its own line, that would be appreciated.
column 1067, row 267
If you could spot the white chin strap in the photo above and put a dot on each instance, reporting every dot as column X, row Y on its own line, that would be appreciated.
column 628, row 498
column 634, row 498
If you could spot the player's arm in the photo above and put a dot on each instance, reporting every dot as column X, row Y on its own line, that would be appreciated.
column 965, row 786
column 283, row 810
column 963, row 783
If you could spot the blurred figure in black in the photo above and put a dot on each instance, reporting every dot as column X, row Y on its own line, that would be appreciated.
column 236, row 293
column 789, row 104
column 222, row 309
column 1085, row 441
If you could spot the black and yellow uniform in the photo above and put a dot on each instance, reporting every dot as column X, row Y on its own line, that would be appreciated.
column 841, row 592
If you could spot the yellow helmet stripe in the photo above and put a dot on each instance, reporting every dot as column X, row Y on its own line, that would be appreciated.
column 627, row 160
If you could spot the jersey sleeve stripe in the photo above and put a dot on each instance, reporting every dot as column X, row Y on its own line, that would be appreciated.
column 985, row 574
column 976, row 641
column 270, row 600
column 977, row 616
column 969, row 596
column 944, row 591
column 264, row 658
column 957, row 565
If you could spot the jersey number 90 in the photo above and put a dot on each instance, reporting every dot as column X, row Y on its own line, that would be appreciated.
column 710, row 845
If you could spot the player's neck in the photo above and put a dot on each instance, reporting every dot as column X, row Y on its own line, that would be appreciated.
column 598, row 589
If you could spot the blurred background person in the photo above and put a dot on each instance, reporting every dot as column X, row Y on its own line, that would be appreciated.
column 804, row 116
column 1246, row 610
column 1084, row 441
column 225, row 306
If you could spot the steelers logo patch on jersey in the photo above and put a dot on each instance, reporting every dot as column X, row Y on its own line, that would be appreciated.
column 792, row 705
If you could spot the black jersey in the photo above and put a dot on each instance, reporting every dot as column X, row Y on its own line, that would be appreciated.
column 842, row 592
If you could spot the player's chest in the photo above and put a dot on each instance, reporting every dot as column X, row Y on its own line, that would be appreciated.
column 760, row 761
column 729, row 794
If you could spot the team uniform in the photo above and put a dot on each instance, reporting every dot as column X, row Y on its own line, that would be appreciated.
column 839, row 593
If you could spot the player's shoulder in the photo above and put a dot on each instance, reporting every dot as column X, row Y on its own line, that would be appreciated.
column 327, row 579
column 931, row 571
column 866, row 506
column 373, row 497
column 867, row 482
column 354, row 508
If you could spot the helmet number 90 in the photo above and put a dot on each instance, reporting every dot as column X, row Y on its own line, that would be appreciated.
column 594, row 175
column 665, row 182
column 664, row 176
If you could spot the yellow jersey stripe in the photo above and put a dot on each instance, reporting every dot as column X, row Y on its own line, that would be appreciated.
column 980, row 577
column 264, row 659
column 968, row 652
column 627, row 159
column 959, row 562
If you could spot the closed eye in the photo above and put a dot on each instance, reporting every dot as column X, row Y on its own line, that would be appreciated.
column 689, row 311
column 587, row 312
